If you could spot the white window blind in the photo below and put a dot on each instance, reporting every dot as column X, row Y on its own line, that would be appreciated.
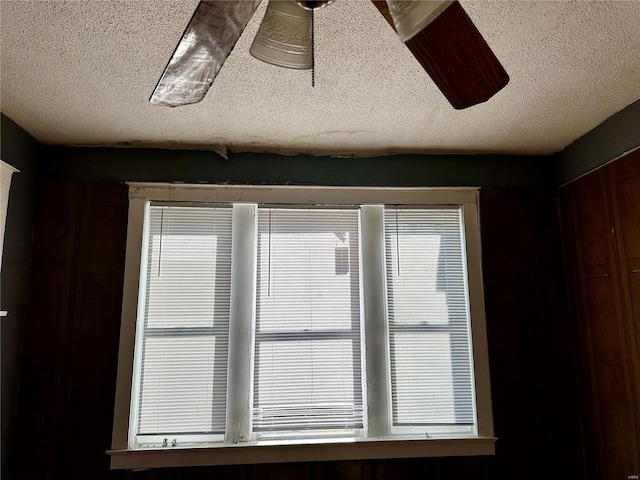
column 183, row 364
column 308, row 353
column 429, row 339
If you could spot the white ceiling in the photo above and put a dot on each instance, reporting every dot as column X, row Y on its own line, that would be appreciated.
column 81, row 73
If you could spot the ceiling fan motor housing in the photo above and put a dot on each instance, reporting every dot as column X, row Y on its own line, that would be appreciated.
column 314, row 4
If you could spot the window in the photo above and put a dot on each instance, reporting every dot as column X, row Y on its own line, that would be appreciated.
column 292, row 324
column 181, row 380
column 428, row 318
column 307, row 365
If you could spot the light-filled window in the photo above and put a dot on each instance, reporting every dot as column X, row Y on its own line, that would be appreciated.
column 307, row 360
column 430, row 357
column 181, row 376
column 346, row 321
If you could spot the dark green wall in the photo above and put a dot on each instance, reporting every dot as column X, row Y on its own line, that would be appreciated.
column 618, row 134
column 20, row 150
column 154, row 165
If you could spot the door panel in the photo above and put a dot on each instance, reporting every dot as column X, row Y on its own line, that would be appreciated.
column 602, row 210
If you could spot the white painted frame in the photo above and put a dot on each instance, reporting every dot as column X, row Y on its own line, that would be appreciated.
column 6, row 172
column 380, row 445
column 242, row 322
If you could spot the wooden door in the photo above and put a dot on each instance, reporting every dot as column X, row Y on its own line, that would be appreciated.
column 603, row 237
column 624, row 181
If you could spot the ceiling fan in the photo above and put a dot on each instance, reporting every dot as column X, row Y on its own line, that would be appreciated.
column 438, row 33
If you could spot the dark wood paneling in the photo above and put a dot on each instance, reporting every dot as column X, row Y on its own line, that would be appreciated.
column 530, row 339
column 72, row 328
column 72, row 342
column 624, row 182
column 286, row 471
column 234, row 472
column 600, row 297
column 46, row 331
column 401, row 469
column 95, row 322
column 601, row 215
column 348, row 470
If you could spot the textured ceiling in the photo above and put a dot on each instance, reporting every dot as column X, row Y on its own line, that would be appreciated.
column 81, row 73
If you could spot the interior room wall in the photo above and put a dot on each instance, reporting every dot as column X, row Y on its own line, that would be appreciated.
column 18, row 149
column 78, row 268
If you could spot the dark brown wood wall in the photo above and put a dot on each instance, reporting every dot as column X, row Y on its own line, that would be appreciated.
column 601, row 222
column 70, row 352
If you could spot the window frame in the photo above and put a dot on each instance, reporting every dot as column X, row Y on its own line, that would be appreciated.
column 381, row 445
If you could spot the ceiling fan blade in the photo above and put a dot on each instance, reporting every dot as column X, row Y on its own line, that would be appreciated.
column 455, row 55
column 206, row 43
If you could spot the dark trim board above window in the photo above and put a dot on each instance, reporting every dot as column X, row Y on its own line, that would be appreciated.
column 274, row 324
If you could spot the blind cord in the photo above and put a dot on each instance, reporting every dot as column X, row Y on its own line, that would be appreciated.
column 269, row 259
column 397, row 240
column 161, row 235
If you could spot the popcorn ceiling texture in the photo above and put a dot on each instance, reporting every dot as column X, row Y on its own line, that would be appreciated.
column 81, row 73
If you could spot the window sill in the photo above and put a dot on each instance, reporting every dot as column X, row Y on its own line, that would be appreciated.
column 259, row 452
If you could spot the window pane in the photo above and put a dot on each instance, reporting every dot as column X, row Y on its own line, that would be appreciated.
column 189, row 272
column 306, row 383
column 186, row 321
column 181, row 383
column 308, row 355
column 430, row 350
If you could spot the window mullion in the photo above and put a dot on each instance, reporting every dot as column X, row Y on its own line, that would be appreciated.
column 376, row 321
column 241, row 323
